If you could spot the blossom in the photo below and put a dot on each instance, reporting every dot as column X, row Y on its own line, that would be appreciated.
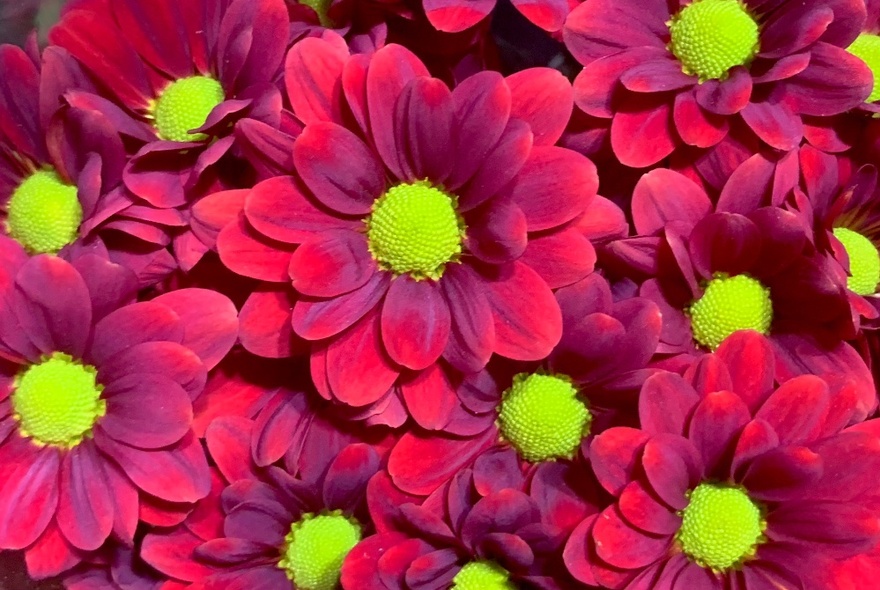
column 669, row 77
column 96, row 404
column 730, row 479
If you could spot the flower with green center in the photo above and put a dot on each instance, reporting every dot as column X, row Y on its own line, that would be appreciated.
column 720, row 527
column 864, row 261
column 543, row 417
column 415, row 229
column 316, row 547
column 866, row 47
column 184, row 105
column 44, row 213
column 709, row 37
column 730, row 304
column 482, row 575
column 58, row 401
column 322, row 8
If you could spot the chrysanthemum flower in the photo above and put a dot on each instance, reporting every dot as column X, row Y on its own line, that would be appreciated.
column 433, row 226
column 174, row 79
column 673, row 74
column 95, row 399
column 730, row 482
column 545, row 411
column 120, row 568
column 452, row 16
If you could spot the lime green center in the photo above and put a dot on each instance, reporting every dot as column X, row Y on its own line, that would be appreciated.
column 185, row 105
column 58, row 401
column 730, row 304
column 415, row 229
column 321, row 7
column 543, row 417
column 720, row 527
column 482, row 575
column 316, row 547
column 43, row 214
column 867, row 48
column 864, row 261
column 711, row 36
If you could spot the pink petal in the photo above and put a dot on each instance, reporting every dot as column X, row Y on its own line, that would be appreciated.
column 312, row 74
column 85, row 507
column 210, row 322
column 29, row 496
column 265, row 328
column 664, row 195
column 642, row 134
column 430, row 398
column 415, row 322
column 472, row 334
column 622, row 546
column 543, row 98
column 334, row 263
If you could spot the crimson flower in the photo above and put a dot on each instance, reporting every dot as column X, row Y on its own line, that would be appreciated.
column 669, row 74
column 730, row 481
column 95, row 399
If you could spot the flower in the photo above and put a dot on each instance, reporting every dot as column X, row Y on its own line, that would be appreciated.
column 673, row 77
column 452, row 16
column 96, row 404
column 730, row 479
column 404, row 250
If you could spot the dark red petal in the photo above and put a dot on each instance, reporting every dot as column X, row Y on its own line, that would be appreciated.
column 415, row 322
column 51, row 554
column 834, row 82
column 172, row 554
column 134, row 324
column 243, row 251
column 615, row 454
column 724, row 242
column 661, row 74
column 472, row 335
column 331, row 264
column 528, row 322
column 605, row 27
column 554, row 186
column 709, row 374
column 642, row 134
column 430, row 398
column 666, row 403
column 797, row 408
column 543, row 98
column 419, row 464
column 265, row 328
column 339, row 169
column 756, row 438
column 316, row 319
column 451, row 16
column 836, row 528
column 595, row 86
column 672, row 465
column 662, row 196
column 177, row 474
column 727, row 97
column 85, row 507
column 750, row 362
column 358, row 369
column 210, row 322
column 782, row 474
column 29, row 496
column 640, row 508
column 696, row 126
column 229, row 443
column 715, row 425
column 622, row 546
column 156, row 32
column 146, row 410
column 359, row 570
column 312, row 74
column 775, row 124
column 346, row 480
column 748, row 187
column 560, row 258
column 575, row 552
column 424, row 117
column 497, row 168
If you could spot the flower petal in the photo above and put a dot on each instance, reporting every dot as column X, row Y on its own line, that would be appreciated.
column 415, row 322
column 332, row 264
column 85, row 507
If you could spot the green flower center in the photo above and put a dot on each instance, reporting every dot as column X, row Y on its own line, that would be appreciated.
column 43, row 213
column 730, row 304
column 185, row 105
column 58, row 401
column 542, row 417
column 321, row 7
column 720, row 527
column 867, row 48
column 482, row 575
column 316, row 547
column 864, row 261
column 415, row 229
column 711, row 36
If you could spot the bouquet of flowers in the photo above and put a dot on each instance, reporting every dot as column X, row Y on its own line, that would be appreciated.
column 429, row 295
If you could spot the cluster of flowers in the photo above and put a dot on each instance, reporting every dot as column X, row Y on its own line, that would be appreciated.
column 312, row 295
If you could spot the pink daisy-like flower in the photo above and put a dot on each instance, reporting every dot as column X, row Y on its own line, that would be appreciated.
column 96, row 403
column 731, row 481
column 433, row 224
column 491, row 526
column 673, row 74
column 545, row 411
column 173, row 80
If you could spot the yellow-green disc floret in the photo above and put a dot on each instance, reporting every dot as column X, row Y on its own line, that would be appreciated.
column 867, row 48
column 316, row 547
column 415, row 229
column 730, row 304
column 721, row 526
column 864, row 261
column 58, row 401
column 185, row 105
column 44, row 213
column 543, row 417
column 709, row 37
column 482, row 575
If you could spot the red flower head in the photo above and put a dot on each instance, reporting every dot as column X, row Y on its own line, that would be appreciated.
column 119, row 568
column 867, row 48
column 677, row 76
column 95, row 400
column 173, row 79
column 453, row 16
column 731, row 481
column 429, row 224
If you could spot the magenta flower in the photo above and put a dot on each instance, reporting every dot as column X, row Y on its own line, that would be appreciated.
column 730, row 480
column 453, row 16
column 96, row 407
column 679, row 73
